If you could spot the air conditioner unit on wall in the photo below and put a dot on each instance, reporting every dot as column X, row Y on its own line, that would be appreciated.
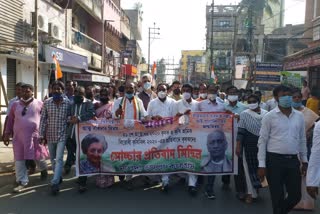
column 42, row 22
column 54, row 31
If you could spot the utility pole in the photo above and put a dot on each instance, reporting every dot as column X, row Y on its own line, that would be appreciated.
column 36, row 49
column 154, row 32
column 234, row 45
column 250, row 43
column 211, row 39
column 103, row 43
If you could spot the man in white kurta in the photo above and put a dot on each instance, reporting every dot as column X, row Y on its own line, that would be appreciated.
column 313, row 173
column 163, row 106
column 129, row 108
column 182, row 109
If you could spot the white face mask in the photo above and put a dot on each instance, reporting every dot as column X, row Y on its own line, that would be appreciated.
column 162, row 94
column 147, row 86
column 212, row 97
column 186, row 95
column 195, row 96
column 27, row 100
column 253, row 106
column 233, row 98
column 203, row 95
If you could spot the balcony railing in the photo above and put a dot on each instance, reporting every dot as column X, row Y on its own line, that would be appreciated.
column 84, row 41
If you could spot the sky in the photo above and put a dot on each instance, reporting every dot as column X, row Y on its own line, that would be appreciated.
column 182, row 24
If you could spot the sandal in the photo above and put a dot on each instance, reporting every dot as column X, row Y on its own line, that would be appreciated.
column 248, row 199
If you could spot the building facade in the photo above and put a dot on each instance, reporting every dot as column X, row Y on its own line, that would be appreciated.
column 193, row 66
column 308, row 59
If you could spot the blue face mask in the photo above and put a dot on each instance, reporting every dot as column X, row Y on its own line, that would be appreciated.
column 296, row 105
column 129, row 96
column 56, row 96
column 285, row 101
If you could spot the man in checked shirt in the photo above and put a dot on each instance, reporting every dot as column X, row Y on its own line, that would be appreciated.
column 53, row 129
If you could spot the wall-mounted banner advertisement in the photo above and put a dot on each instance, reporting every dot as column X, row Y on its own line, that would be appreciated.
column 201, row 143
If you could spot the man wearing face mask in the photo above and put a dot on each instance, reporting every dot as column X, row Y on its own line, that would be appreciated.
column 176, row 92
column 81, row 110
column 236, row 107
column 53, row 130
column 202, row 92
column 211, row 105
column 195, row 94
column 23, row 125
column 281, row 149
column 129, row 108
column 161, row 107
column 147, row 94
column 306, row 203
column 183, row 108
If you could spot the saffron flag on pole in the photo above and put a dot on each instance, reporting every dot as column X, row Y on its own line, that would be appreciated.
column 153, row 72
column 57, row 71
column 213, row 77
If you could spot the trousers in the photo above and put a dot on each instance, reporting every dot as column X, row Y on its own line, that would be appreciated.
column 284, row 179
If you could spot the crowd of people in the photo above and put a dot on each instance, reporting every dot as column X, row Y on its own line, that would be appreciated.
column 274, row 138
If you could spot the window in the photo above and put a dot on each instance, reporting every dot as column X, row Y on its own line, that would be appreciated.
column 224, row 24
column 82, row 28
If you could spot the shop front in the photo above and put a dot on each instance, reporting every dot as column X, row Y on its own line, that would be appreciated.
column 129, row 72
column 70, row 62
column 88, row 77
column 306, row 60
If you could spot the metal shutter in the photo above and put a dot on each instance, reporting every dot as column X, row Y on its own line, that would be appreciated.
column 11, row 77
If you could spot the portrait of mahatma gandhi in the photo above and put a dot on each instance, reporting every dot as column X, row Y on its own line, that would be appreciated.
column 217, row 160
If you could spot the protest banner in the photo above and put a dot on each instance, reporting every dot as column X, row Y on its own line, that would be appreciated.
column 200, row 143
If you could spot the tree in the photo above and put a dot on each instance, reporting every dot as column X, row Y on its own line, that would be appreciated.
column 143, row 60
column 260, row 5
column 138, row 6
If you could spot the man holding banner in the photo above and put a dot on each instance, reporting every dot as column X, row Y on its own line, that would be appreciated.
column 129, row 108
column 211, row 105
column 182, row 109
column 161, row 107
column 81, row 110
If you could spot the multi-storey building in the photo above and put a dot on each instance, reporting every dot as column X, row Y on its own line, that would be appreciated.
column 132, row 45
column 308, row 59
column 192, row 66
column 72, row 31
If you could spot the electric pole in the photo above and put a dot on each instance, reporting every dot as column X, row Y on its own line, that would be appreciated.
column 152, row 32
column 211, row 39
column 103, row 46
column 35, row 48
column 250, row 43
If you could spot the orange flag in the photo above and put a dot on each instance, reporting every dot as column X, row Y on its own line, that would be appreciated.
column 57, row 72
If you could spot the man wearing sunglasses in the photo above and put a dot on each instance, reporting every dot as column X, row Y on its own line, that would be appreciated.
column 23, row 125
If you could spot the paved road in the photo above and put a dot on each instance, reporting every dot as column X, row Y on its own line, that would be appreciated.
column 119, row 200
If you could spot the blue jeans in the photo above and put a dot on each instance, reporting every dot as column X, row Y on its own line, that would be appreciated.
column 56, row 157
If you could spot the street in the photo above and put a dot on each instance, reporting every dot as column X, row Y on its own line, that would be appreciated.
column 117, row 199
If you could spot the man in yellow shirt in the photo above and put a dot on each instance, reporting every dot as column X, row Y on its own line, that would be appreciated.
column 313, row 101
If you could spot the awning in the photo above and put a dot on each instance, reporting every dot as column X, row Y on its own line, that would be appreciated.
column 303, row 62
column 91, row 76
